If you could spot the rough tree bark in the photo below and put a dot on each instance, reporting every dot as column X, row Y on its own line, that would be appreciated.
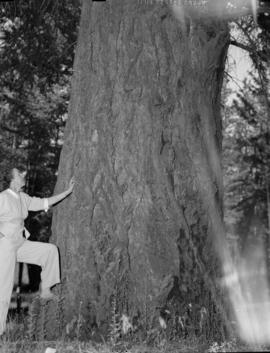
column 143, row 124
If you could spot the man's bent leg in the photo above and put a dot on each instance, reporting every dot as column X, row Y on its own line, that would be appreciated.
column 7, row 268
column 45, row 255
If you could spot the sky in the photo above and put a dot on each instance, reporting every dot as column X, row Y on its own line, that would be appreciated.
column 238, row 66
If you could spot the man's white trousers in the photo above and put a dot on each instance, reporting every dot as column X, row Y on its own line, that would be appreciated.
column 31, row 252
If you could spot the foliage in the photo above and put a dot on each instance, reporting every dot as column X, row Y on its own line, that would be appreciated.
column 247, row 154
column 36, row 58
column 246, row 149
column 36, row 64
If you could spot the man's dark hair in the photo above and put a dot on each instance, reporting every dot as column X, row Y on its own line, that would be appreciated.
column 8, row 173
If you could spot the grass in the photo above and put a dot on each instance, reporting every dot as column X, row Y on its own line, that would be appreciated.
column 25, row 346
column 18, row 340
column 14, row 342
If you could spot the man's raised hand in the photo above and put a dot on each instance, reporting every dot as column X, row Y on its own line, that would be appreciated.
column 71, row 185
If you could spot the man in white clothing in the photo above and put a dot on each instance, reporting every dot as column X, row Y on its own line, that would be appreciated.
column 14, row 207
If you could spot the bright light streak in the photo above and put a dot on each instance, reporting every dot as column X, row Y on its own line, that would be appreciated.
column 254, row 5
column 248, row 289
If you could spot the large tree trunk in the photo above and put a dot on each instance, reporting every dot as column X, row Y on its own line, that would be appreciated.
column 143, row 141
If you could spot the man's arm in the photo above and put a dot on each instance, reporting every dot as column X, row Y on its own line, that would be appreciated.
column 57, row 198
column 39, row 204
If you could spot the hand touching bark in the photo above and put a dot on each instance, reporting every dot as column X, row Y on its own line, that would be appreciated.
column 57, row 198
column 71, row 185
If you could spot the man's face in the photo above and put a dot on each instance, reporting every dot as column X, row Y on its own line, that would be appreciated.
column 19, row 177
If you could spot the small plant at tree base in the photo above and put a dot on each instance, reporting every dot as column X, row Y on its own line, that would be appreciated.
column 115, row 326
column 79, row 322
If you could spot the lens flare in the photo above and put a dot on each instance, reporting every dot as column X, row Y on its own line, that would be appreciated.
column 248, row 289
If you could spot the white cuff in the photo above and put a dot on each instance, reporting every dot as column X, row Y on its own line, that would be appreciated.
column 26, row 233
column 46, row 205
